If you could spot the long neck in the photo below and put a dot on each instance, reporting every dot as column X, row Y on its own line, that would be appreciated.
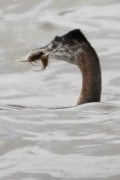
column 91, row 78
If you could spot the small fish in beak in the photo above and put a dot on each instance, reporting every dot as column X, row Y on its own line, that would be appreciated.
column 41, row 55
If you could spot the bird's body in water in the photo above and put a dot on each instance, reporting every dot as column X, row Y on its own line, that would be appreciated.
column 74, row 48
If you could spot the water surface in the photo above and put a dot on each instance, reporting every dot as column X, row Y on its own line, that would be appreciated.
column 40, row 139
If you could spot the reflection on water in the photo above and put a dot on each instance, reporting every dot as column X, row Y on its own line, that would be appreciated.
column 42, row 135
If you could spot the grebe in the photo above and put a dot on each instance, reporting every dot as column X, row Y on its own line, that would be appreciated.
column 74, row 48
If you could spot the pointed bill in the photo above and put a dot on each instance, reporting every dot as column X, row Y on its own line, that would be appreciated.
column 21, row 61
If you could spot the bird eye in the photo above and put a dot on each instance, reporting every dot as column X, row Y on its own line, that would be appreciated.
column 57, row 38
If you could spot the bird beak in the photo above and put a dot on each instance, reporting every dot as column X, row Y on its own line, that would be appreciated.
column 41, row 55
column 36, row 55
column 21, row 61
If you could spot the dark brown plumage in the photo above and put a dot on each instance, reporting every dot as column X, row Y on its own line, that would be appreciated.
column 74, row 48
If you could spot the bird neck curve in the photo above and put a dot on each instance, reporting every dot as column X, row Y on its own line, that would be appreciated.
column 91, row 77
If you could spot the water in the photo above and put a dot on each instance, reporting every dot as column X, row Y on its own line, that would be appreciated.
column 39, row 138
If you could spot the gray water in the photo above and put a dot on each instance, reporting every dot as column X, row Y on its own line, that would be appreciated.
column 40, row 139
